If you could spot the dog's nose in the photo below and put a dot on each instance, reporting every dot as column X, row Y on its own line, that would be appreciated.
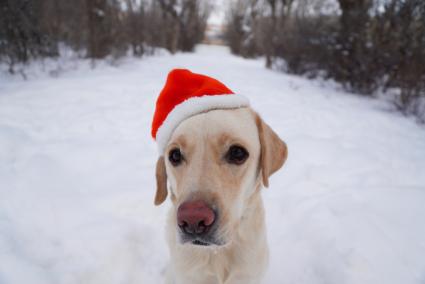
column 195, row 217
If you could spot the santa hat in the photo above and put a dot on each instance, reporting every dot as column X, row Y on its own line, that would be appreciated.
column 186, row 94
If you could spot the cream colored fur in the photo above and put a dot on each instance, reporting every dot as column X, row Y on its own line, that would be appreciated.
column 233, row 191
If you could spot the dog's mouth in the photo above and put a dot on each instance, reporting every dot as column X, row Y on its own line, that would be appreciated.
column 200, row 243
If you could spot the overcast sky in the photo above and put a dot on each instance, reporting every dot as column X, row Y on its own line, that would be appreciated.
column 217, row 16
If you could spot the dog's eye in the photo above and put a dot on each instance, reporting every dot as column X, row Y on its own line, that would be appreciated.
column 175, row 157
column 236, row 155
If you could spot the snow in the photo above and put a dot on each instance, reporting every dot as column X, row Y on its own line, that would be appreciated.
column 77, row 177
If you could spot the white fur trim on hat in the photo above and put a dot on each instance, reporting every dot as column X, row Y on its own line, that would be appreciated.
column 191, row 107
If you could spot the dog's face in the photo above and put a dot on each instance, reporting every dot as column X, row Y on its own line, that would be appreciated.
column 214, row 163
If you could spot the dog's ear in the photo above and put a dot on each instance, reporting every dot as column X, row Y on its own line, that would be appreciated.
column 273, row 150
column 161, row 181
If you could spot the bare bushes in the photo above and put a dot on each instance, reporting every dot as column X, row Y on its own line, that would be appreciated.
column 98, row 28
column 366, row 45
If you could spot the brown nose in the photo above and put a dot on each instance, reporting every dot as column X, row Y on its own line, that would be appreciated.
column 195, row 217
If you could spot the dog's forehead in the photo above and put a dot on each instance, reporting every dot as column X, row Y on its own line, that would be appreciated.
column 234, row 123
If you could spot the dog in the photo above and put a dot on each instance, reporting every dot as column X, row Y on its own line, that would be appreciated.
column 215, row 154
column 216, row 163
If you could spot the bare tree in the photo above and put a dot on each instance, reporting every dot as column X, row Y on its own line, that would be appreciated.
column 21, row 37
column 188, row 22
column 352, row 58
column 243, row 28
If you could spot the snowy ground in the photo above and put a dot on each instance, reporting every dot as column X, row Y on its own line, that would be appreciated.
column 77, row 177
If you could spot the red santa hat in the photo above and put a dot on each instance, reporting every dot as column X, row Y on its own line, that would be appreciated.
column 186, row 94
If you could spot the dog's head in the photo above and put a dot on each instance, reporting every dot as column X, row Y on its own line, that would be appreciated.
column 214, row 162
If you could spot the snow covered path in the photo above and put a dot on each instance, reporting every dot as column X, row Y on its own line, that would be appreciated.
column 77, row 177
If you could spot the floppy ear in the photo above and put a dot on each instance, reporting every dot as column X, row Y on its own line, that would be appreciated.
column 161, row 181
column 273, row 150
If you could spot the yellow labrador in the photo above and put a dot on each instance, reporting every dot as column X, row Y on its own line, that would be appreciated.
column 215, row 163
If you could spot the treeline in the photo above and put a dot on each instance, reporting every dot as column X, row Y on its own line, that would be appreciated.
column 98, row 28
column 366, row 45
